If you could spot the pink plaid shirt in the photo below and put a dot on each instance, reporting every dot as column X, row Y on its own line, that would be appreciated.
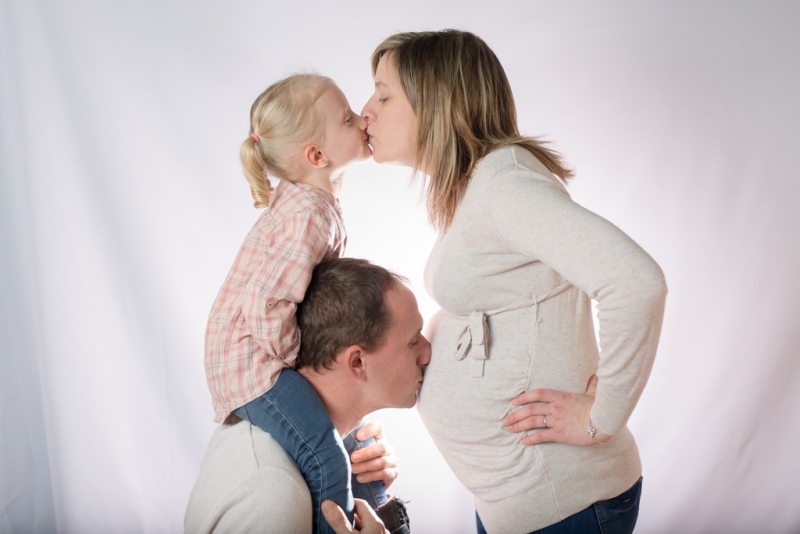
column 252, row 332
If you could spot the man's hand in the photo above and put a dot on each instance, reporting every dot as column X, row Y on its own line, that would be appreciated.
column 377, row 461
column 366, row 520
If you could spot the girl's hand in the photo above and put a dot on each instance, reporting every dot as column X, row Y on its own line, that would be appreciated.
column 377, row 461
column 560, row 417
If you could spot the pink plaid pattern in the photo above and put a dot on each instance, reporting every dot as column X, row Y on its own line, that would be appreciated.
column 252, row 332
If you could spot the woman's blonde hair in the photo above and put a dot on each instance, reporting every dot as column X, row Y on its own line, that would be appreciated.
column 283, row 120
column 464, row 108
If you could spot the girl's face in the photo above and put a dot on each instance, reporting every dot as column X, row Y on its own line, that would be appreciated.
column 392, row 125
column 345, row 136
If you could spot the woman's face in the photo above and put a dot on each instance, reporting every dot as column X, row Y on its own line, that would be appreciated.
column 392, row 125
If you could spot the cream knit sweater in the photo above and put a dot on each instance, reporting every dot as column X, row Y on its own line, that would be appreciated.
column 247, row 483
column 515, row 275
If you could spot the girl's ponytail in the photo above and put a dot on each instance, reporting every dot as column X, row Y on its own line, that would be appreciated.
column 283, row 120
column 255, row 170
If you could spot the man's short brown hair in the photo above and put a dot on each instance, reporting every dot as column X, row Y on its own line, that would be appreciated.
column 343, row 306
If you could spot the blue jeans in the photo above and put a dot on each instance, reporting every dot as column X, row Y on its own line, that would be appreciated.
column 613, row 516
column 293, row 414
column 372, row 492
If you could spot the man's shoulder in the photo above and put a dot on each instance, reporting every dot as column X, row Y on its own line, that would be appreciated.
column 246, row 478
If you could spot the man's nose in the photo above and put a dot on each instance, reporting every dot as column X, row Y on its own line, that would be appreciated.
column 425, row 357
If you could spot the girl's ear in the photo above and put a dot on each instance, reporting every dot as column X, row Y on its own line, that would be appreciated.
column 315, row 157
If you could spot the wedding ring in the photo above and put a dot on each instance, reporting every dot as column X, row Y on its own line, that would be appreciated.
column 545, row 421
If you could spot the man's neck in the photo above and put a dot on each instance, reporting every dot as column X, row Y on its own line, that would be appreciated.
column 338, row 398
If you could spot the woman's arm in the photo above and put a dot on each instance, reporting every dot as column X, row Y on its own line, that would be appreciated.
column 533, row 215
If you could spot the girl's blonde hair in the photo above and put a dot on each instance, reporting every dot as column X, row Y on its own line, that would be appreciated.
column 283, row 121
column 464, row 108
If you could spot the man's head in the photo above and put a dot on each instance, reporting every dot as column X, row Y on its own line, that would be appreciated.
column 361, row 323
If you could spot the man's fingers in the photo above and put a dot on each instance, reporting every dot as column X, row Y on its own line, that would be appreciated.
column 370, row 430
column 384, row 468
column 370, row 524
column 364, row 510
column 376, row 450
column 375, row 464
column 336, row 518
column 387, row 476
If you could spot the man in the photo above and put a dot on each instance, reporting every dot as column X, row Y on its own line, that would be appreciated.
column 362, row 350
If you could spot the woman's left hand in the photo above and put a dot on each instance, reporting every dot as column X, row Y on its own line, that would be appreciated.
column 377, row 461
column 560, row 417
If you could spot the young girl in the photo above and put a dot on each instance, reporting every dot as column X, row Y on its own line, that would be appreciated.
column 303, row 132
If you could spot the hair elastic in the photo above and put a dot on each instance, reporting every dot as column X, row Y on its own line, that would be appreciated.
column 255, row 138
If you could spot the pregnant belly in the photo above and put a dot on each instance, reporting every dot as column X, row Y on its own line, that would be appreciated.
column 463, row 412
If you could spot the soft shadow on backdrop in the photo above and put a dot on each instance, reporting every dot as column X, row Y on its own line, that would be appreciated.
column 122, row 205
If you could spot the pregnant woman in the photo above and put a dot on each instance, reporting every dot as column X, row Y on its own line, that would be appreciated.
column 526, row 410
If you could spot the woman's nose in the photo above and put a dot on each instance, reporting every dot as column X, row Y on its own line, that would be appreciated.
column 366, row 113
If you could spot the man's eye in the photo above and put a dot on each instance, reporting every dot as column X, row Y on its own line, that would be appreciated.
column 349, row 119
column 414, row 342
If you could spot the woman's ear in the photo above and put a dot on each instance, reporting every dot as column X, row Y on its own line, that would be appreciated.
column 316, row 157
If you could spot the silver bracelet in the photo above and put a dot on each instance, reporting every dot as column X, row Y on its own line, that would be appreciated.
column 591, row 431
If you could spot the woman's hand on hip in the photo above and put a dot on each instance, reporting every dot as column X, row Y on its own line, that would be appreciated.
column 377, row 461
column 558, row 416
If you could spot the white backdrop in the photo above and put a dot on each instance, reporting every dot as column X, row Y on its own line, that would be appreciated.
column 122, row 205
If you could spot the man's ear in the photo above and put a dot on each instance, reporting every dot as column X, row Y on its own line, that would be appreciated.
column 352, row 358
column 315, row 157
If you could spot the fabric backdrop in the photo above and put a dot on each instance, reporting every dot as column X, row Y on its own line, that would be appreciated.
column 122, row 205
